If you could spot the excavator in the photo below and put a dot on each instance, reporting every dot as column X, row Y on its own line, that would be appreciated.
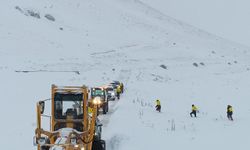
column 71, row 126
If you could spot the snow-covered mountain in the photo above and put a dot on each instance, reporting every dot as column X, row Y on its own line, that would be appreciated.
column 225, row 18
column 155, row 55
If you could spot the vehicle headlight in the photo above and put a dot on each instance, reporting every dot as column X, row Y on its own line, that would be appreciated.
column 97, row 101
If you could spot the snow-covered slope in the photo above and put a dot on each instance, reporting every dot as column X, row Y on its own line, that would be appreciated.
column 226, row 18
column 130, row 41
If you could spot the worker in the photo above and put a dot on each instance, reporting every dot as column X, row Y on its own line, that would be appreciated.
column 229, row 112
column 122, row 87
column 158, row 105
column 118, row 92
column 194, row 110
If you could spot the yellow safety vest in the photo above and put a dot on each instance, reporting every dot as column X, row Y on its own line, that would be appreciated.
column 194, row 108
column 119, row 89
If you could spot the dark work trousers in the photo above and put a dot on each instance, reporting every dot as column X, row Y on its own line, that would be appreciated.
column 158, row 108
column 118, row 95
column 230, row 115
column 193, row 113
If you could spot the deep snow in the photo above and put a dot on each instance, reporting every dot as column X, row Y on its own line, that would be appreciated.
column 125, row 40
column 225, row 18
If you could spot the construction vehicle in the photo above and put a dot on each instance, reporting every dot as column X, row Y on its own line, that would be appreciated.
column 71, row 126
column 111, row 93
column 100, row 92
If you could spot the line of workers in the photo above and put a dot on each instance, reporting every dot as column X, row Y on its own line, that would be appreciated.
column 195, row 110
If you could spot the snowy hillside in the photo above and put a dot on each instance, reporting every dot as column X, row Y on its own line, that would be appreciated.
column 226, row 18
column 93, row 42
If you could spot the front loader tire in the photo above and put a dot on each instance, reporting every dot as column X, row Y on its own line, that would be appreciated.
column 99, row 145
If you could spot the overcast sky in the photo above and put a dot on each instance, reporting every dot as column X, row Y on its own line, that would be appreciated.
column 226, row 18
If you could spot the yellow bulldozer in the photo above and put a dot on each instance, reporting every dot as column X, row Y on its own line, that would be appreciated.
column 71, row 126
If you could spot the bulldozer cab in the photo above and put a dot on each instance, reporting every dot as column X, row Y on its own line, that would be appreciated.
column 68, row 107
column 68, row 104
